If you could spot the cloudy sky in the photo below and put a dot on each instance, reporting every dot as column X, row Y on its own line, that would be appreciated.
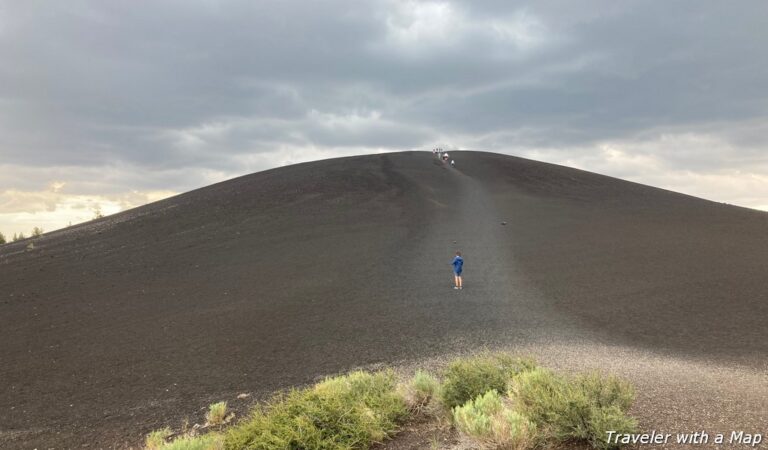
column 118, row 103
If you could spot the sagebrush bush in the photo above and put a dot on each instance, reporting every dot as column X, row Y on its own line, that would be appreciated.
column 606, row 390
column 552, row 403
column 514, row 431
column 468, row 378
column 493, row 424
column 346, row 412
column 217, row 412
column 576, row 409
column 474, row 417
column 609, row 418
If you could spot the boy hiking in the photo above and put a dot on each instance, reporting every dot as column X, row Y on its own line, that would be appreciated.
column 458, row 265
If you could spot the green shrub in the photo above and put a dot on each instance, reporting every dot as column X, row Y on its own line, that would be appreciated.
column 513, row 431
column 577, row 409
column 156, row 439
column 346, row 412
column 606, row 390
column 468, row 378
column 489, row 421
column 552, row 403
column 2, row 239
column 425, row 384
column 210, row 441
column 217, row 412
column 420, row 390
column 474, row 417
column 605, row 419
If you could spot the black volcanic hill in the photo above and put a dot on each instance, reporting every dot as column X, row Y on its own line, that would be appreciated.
column 115, row 327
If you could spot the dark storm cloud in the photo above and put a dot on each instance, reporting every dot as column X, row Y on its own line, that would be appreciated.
column 204, row 85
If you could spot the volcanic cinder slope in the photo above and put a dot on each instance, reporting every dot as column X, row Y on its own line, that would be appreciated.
column 132, row 322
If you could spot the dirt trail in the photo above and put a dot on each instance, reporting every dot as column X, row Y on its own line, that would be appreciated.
column 498, row 305
column 513, row 310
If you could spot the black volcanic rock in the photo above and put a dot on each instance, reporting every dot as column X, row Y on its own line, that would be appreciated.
column 121, row 325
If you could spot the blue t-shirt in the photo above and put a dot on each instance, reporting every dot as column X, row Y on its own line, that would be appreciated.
column 458, row 264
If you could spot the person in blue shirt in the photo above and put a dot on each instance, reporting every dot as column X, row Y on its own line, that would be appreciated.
column 458, row 266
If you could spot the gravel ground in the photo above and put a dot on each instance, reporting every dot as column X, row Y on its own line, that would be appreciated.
column 137, row 321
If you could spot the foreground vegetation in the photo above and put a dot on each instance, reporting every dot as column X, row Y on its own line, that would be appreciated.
column 496, row 400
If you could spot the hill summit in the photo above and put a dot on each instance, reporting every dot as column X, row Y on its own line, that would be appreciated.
column 271, row 279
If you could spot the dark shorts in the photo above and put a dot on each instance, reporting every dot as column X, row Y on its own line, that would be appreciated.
column 458, row 274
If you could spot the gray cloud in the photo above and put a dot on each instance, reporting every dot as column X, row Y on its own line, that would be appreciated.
column 205, row 88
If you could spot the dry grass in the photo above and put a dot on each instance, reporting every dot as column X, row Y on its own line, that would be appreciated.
column 156, row 439
column 420, row 391
column 217, row 413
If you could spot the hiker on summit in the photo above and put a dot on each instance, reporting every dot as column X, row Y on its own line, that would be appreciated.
column 458, row 266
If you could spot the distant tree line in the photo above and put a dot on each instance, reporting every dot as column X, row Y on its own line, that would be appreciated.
column 36, row 232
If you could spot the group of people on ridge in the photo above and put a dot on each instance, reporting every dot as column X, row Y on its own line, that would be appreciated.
column 440, row 153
